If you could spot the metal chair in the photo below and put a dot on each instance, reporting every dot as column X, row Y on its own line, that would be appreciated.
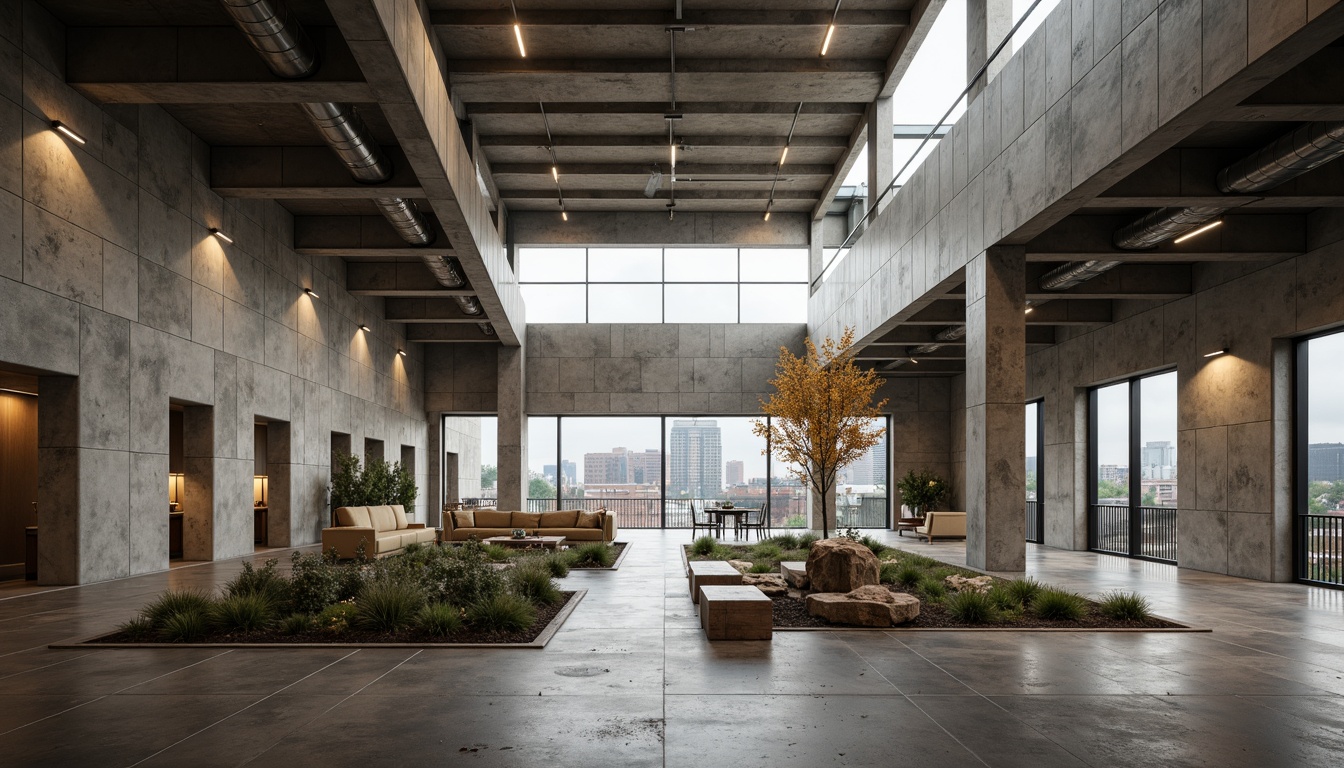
column 757, row 520
column 701, row 519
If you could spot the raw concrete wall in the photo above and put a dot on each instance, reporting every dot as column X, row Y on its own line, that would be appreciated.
column 108, row 274
column 648, row 228
column 1234, row 448
column 921, row 428
column 1100, row 88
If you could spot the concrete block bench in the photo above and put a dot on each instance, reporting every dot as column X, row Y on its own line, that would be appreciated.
column 735, row 613
column 717, row 572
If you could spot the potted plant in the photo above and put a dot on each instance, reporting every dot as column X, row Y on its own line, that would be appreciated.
column 922, row 491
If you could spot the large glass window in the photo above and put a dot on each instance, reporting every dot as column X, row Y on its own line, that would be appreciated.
column 1320, row 460
column 1133, row 468
column 619, row 464
column 544, row 477
column 1035, row 489
column 664, row 285
column 861, row 488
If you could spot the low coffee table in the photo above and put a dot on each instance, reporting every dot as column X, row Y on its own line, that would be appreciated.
column 908, row 524
column 529, row 542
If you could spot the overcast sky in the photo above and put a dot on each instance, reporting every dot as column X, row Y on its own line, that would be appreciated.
column 1325, row 407
column 1158, row 416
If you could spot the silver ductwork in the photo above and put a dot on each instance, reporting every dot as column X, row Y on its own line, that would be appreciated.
column 283, row 45
column 1155, row 228
column 1073, row 273
column 1302, row 149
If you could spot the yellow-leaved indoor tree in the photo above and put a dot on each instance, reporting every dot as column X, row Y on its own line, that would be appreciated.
column 821, row 415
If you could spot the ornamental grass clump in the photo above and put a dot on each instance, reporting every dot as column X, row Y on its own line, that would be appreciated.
column 440, row 619
column 560, row 562
column 1058, row 605
column 242, row 613
column 265, row 582
column 785, row 541
column 806, row 540
column 761, row 567
column 387, row 605
column 296, row 624
column 530, row 578
column 594, row 554
column 765, row 551
column 503, row 612
column 496, row 553
column 185, row 626
column 932, row 590
column 907, row 576
column 703, row 546
column 1024, row 591
column 138, row 628
column 1125, row 606
column 173, row 602
column 877, row 547
column 970, row 607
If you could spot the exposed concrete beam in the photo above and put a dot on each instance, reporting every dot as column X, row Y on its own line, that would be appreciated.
column 915, row 335
column 943, row 353
column 922, row 368
column 1312, row 90
column 660, row 141
column 404, row 279
column 456, row 333
column 1241, row 238
column 301, row 172
column 641, row 170
column 653, row 228
column 842, row 167
column 912, row 37
column 659, row 66
column 362, row 237
column 637, row 192
column 447, row 20
column 1059, row 311
column 400, row 59
column 426, row 311
column 1129, row 281
column 660, row 107
column 200, row 65
column 797, row 80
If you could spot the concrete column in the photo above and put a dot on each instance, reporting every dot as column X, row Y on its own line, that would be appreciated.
column 995, row 393
column 816, row 252
column 987, row 23
column 431, row 494
column 880, row 161
column 512, row 443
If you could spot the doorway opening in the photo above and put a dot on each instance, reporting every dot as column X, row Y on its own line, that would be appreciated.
column 18, row 476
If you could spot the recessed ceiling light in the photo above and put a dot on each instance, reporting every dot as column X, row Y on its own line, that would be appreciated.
column 215, row 231
column 57, row 125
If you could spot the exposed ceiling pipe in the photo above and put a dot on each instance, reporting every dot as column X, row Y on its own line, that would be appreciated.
column 1302, row 149
column 284, row 46
column 1156, row 227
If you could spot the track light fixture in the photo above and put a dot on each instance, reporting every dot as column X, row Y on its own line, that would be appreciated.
column 830, row 29
column 215, row 231
column 58, row 126
column 518, row 31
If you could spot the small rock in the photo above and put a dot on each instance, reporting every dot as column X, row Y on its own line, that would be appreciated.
column 859, row 611
column 741, row 565
column 973, row 584
column 769, row 583
column 795, row 573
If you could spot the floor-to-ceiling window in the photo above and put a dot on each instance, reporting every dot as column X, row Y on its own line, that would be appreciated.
column 1133, row 468
column 1320, row 460
column 1035, row 489
column 618, row 465
column 861, row 487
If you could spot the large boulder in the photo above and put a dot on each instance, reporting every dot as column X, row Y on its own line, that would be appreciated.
column 841, row 565
column 870, row 606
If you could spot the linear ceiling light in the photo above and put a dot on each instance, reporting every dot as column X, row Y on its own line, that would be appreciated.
column 1200, row 231
column 518, row 31
column 784, row 154
column 57, row 125
column 830, row 29
column 555, row 174
column 215, row 231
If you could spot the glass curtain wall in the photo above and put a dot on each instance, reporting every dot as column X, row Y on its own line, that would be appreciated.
column 861, row 487
column 1035, row 490
column 1320, row 461
column 1110, row 468
column 1157, row 480
column 619, row 466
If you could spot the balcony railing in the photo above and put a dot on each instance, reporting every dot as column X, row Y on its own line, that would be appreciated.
column 1110, row 525
column 788, row 509
column 1322, row 547
column 1157, row 531
column 1033, row 530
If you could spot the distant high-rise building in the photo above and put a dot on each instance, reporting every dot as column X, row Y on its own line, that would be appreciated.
column 1157, row 460
column 696, row 467
column 1325, row 461
column 622, row 466
column 569, row 469
column 868, row 469
column 1113, row 472
column 734, row 472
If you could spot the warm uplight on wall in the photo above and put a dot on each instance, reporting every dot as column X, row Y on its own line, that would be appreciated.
column 365, row 328
column 1199, row 231
column 1217, row 352
column 215, row 231
column 60, row 127
column 401, row 352
column 311, row 293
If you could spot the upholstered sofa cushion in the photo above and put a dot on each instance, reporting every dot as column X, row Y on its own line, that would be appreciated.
column 493, row 518
column 589, row 520
column 353, row 516
column 565, row 518
column 384, row 519
column 527, row 520
column 399, row 512
column 464, row 518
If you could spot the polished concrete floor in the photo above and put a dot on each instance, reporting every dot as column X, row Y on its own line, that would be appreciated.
column 630, row 681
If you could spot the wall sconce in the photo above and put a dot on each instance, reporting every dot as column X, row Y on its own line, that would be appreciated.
column 261, row 487
column 215, row 231
column 311, row 293
column 176, row 484
column 401, row 352
column 1217, row 352
column 365, row 328
column 59, row 127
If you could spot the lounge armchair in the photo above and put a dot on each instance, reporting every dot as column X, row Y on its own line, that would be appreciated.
column 943, row 525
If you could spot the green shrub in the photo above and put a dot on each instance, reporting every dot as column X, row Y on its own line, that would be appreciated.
column 1001, row 595
column 908, row 576
column 1125, row 606
column 530, row 577
column 703, row 545
column 173, row 602
column 503, row 612
column 314, row 582
column 337, row 617
column 761, row 567
column 1058, row 605
column 806, row 540
column 1024, row 591
column 594, row 554
column 970, row 606
column 560, row 563
column 876, row 546
column 242, row 613
column 296, row 624
column 387, row 605
column 185, row 626
column 725, row 552
column 765, row 551
column 461, row 575
column 138, row 628
column 932, row 590
column 785, row 541
column 439, row 619
column 496, row 553
column 265, row 581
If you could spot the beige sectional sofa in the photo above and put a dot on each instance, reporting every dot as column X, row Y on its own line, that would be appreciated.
column 573, row 524
column 384, row 531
